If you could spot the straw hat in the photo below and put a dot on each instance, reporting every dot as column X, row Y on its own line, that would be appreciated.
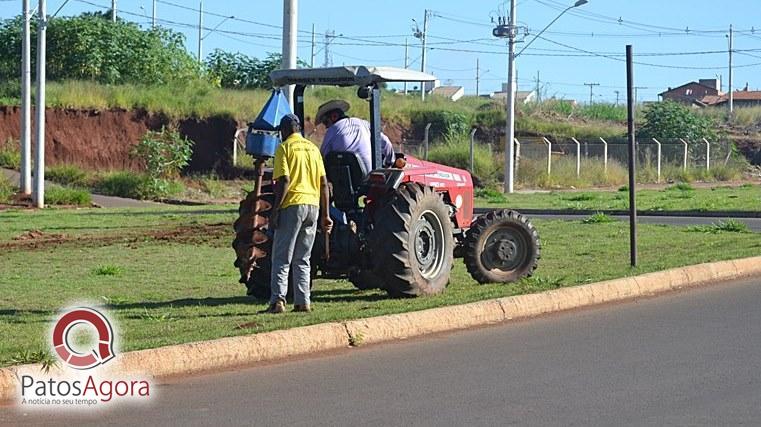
column 329, row 106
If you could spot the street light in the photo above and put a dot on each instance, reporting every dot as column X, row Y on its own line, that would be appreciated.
column 577, row 4
column 509, row 31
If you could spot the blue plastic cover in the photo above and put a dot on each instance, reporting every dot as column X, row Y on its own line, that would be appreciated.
column 274, row 110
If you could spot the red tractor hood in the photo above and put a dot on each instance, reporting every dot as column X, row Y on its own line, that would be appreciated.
column 456, row 185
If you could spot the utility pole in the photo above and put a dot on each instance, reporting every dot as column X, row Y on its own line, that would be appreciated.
column 25, row 184
column 153, row 16
column 39, row 163
column 290, row 30
column 617, row 93
column 478, row 77
column 507, row 29
column 311, row 64
column 406, row 60
column 200, row 30
column 731, row 95
column 636, row 93
column 591, row 91
column 423, row 39
column 538, row 95
column 113, row 10
column 329, row 36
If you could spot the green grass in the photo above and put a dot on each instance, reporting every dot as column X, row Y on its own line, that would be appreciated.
column 10, row 154
column 55, row 195
column 108, row 270
column 743, row 198
column 172, row 291
column 728, row 226
column 597, row 218
column 7, row 189
column 69, row 175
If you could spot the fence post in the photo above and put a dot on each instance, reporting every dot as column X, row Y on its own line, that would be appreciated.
column 708, row 154
column 472, row 143
column 684, row 161
column 235, row 145
column 658, row 163
column 517, row 156
column 578, row 156
column 425, row 140
column 549, row 156
column 604, row 155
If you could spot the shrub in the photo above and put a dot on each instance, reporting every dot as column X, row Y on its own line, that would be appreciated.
column 6, row 189
column 670, row 120
column 67, row 175
column 133, row 185
column 67, row 196
column 10, row 154
column 443, row 122
column 491, row 118
column 122, row 184
column 164, row 153
column 455, row 152
column 490, row 195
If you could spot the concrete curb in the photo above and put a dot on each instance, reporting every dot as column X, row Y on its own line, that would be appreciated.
column 244, row 350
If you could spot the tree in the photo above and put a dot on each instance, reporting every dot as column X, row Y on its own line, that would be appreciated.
column 670, row 120
column 236, row 70
column 91, row 47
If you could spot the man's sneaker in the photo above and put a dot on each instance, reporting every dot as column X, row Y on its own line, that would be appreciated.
column 276, row 307
column 302, row 308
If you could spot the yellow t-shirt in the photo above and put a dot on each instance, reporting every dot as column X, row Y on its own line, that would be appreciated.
column 300, row 160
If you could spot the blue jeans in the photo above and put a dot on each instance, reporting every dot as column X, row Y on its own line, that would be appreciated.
column 292, row 247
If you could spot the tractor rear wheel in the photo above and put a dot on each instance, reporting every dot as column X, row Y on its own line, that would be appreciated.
column 501, row 246
column 411, row 245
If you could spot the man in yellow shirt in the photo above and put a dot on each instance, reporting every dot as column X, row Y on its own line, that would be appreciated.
column 301, row 194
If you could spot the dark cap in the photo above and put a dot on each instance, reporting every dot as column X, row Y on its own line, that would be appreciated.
column 289, row 120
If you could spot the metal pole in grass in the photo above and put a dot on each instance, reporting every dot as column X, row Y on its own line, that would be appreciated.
column 604, row 155
column 684, row 161
column 26, row 105
column 578, row 157
column 708, row 154
column 425, row 139
column 472, row 144
column 39, row 163
column 658, row 163
column 517, row 156
column 549, row 155
column 632, row 159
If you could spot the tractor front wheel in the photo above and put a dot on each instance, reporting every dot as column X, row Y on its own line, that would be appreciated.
column 501, row 246
column 411, row 243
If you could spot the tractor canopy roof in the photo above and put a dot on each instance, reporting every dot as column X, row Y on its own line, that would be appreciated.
column 350, row 75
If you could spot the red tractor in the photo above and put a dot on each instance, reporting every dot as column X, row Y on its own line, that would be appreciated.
column 396, row 228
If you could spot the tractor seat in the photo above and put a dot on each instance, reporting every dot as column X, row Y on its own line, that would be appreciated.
column 345, row 170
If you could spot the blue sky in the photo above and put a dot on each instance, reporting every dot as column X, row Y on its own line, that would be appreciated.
column 586, row 45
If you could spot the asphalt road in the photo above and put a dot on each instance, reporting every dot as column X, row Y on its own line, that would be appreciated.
column 754, row 224
column 687, row 358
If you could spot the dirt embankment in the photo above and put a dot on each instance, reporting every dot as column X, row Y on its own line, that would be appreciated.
column 103, row 140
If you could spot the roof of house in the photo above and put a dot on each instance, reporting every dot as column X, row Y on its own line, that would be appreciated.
column 448, row 91
column 686, row 84
column 740, row 95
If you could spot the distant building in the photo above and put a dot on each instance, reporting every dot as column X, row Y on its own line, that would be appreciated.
column 740, row 98
column 690, row 92
column 521, row 96
column 452, row 92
